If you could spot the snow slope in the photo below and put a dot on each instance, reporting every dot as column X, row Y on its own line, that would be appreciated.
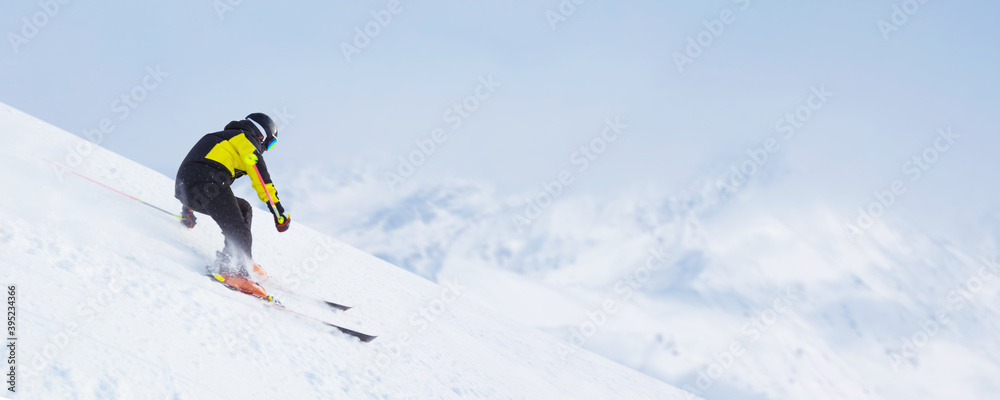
column 112, row 303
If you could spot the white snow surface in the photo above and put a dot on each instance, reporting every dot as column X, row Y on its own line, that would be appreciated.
column 112, row 303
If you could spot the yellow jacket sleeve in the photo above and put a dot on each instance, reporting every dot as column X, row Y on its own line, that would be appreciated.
column 254, row 166
column 239, row 155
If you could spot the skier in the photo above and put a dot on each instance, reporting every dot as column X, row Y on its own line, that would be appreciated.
column 203, row 185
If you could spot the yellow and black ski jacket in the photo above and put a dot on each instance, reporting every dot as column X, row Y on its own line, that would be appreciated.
column 228, row 155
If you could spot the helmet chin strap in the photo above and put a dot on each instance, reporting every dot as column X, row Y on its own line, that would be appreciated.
column 259, row 128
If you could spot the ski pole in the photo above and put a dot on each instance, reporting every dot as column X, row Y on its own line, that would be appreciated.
column 112, row 189
column 270, row 199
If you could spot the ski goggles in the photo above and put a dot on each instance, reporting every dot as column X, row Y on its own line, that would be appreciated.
column 274, row 141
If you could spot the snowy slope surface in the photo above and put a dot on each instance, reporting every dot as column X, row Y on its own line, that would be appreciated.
column 113, row 305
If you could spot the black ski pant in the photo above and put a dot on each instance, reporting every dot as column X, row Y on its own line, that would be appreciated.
column 206, row 190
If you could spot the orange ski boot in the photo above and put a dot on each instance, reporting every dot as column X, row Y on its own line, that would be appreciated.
column 244, row 285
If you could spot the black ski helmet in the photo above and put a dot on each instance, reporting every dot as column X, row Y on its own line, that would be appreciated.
column 266, row 129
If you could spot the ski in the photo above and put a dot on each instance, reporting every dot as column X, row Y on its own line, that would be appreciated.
column 268, row 283
column 364, row 337
column 273, row 303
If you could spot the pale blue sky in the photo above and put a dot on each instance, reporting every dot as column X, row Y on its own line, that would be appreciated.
column 608, row 59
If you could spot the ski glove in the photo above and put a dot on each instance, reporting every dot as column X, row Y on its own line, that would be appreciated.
column 281, row 222
column 187, row 218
